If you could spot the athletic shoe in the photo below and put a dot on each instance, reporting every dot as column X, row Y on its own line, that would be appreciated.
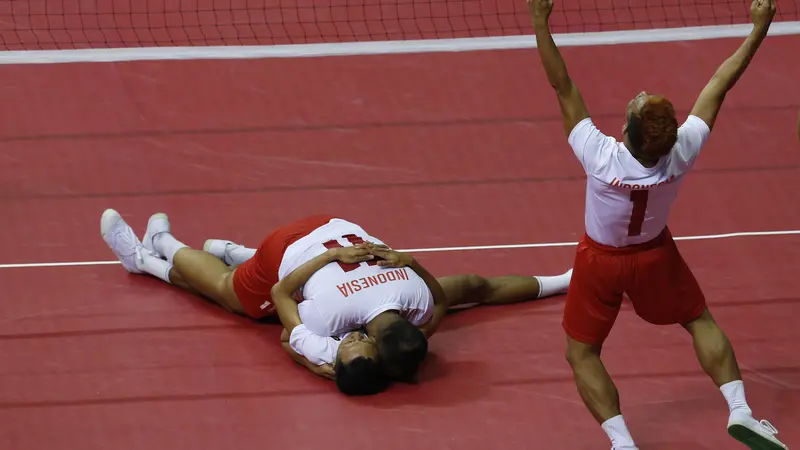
column 121, row 240
column 754, row 434
column 158, row 223
column 221, row 249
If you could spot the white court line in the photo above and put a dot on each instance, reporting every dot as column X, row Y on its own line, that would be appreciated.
column 385, row 47
column 445, row 249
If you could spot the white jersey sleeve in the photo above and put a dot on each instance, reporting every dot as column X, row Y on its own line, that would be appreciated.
column 692, row 135
column 317, row 349
column 592, row 148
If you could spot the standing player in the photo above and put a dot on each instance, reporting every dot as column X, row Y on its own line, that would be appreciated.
column 631, row 186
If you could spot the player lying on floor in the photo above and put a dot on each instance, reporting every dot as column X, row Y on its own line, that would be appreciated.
column 460, row 291
column 323, row 261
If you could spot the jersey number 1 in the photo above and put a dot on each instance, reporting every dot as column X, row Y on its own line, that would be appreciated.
column 639, row 200
column 355, row 240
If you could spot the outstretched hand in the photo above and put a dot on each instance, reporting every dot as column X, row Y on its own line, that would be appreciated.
column 540, row 9
column 762, row 12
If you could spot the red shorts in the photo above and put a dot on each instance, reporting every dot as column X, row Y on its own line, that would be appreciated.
column 254, row 279
column 654, row 276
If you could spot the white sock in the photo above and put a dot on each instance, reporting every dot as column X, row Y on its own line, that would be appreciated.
column 167, row 245
column 734, row 394
column 554, row 285
column 618, row 432
column 155, row 266
column 238, row 255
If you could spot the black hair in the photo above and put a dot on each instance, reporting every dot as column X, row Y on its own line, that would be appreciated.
column 401, row 348
column 360, row 376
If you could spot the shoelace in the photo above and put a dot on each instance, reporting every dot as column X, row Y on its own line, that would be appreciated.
column 768, row 427
column 126, row 237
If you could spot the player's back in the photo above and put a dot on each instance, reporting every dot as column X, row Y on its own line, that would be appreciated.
column 340, row 297
column 627, row 203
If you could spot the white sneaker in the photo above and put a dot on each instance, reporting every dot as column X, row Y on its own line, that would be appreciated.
column 121, row 240
column 220, row 249
column 754, row 434
column 158, row 223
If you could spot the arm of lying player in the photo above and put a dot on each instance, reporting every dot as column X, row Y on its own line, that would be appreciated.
column 392, row 258
column 316, row 350
column 282, row 292
column 573, row 108
column 323, row 370
column 711, row 97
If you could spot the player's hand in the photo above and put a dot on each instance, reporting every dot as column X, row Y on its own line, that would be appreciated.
column 325, row 371
column 540, row 9
column 388, row 257
column 372, row 245
column 350, row 255
column 762, row 12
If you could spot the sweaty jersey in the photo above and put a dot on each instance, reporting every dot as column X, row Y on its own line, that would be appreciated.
column 342, row 297
column 627, row 203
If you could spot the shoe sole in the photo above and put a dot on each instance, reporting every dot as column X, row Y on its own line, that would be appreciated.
column 147, row 239
column 107, row 221
column 207, row 248
column 752, row 439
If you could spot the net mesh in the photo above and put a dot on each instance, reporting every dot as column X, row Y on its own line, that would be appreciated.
column 69, row 24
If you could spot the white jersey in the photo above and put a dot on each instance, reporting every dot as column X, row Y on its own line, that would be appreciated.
column 627, row 203
column 341, row 297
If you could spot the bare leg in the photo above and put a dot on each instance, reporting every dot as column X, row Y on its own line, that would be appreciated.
column 204, row 274
column 713, row 350
column 715, row 353
column 463, row 290
column 195, row 270
column 595, row 386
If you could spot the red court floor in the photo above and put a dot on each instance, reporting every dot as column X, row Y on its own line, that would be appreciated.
column 423, row 150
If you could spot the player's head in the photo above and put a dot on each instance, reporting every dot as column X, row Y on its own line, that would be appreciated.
column 651, row 128
column 401, row 348
column 357, row 369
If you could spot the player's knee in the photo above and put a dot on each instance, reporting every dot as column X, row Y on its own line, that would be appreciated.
column 578, row 352
column 703, row 322
column 476, row 289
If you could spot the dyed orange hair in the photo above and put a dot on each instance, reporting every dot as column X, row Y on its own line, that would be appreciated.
column 654, row 130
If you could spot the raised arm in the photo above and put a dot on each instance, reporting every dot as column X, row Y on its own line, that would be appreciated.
column 314, row 352
column 573, row 109
column 711, row 97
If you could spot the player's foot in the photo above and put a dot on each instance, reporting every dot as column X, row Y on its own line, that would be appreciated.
column 754, row 434
column 158, row 223
column 121, row 240
column 221, row 249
